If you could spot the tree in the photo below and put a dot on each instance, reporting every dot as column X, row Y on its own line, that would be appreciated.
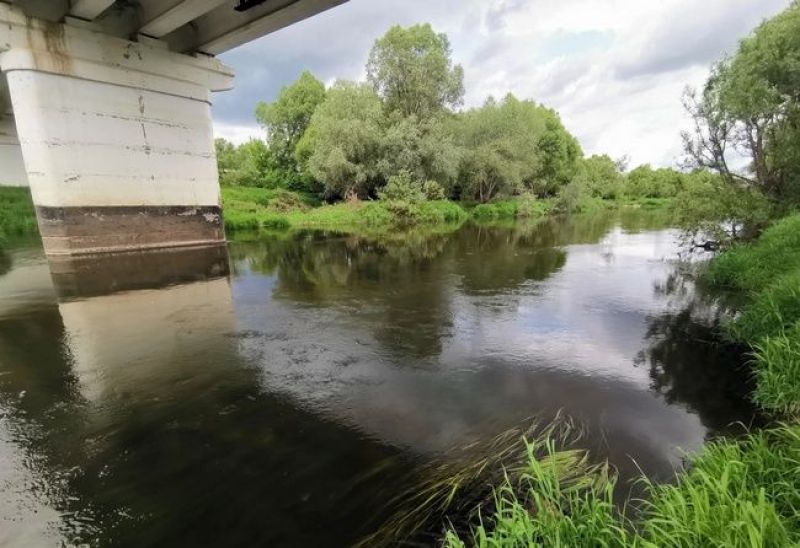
column 343, row 143
column 750, row 108
column 560, row 153
column 287, row 118
column 512, row 146
column 249, row 164
column 425, row 149
column 601, row 176
column 411, row 69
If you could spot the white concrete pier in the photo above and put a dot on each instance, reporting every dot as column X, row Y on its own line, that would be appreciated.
column 111, row 109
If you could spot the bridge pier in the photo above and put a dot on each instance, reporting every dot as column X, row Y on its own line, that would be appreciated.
column 116, row 137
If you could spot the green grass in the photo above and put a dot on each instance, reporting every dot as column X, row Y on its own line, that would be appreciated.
column 17, row 216
column 744, row 493
column 256, row 208
column 777, row 369
column 514, row 208
column 767, row 273
column 751, row 267
column 735, row 494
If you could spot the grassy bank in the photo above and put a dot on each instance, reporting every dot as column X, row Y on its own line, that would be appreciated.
column 744, row 493
column 767, row 275
column 17, row 217
column 249, row 208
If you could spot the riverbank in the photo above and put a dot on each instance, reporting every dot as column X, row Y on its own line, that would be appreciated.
column 252, row 209
column 734, row 493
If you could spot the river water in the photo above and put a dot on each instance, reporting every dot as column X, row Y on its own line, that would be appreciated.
column 279, row 392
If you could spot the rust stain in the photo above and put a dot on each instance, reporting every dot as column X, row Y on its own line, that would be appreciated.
column 55, row 44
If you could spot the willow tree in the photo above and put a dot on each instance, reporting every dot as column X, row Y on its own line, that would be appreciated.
column 750, row 109
column 286, row 119
column 412, row 70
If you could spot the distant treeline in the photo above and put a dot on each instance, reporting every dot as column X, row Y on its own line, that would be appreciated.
column 403, row 125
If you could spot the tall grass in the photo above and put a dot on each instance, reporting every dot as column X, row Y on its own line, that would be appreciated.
column 735, row 494
column 777, row 359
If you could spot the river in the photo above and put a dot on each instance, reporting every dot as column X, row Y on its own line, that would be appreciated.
column 279, row 392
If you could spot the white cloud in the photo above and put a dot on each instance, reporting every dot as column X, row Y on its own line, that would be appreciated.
column 614, row 69
column 237, row 133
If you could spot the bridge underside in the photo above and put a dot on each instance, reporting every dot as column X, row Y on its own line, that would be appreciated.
column 105, row 110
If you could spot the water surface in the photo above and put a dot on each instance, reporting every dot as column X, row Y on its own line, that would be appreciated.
column 281, row 391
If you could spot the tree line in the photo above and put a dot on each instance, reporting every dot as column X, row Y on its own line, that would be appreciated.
column 403, row 133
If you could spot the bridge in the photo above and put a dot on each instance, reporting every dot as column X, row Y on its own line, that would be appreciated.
column 105, row 111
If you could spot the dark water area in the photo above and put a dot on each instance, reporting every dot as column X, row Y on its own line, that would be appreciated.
column 281, row 391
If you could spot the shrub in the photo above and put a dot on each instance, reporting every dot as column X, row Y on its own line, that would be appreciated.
column 402, row 188
column 433, row 190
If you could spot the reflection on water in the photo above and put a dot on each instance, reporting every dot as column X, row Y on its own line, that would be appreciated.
column 172, row 399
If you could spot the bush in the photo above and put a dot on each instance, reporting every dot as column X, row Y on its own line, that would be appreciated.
column 402, row 188
column 433, row 190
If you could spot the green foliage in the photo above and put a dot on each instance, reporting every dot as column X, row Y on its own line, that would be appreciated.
column 525, row 206
column 512, row 146
column 347, row 131
column 751, row 104
column 601, row 177
column 286, row 120
column 777, row 364
column 771, row 310
column 433, row 190
column 735, row 494
column 768, row 272
column 752, row 267
column 17, row 216
column 559, row 154
column 411, row 201
column 412, row 70
column 710, row 207
column 559, row 499
column 646, row 182
column 402, row 187
column 422, row 147
column 252, row 208
column 249, row 208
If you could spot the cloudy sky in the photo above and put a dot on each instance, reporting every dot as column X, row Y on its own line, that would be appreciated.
column 614, row 69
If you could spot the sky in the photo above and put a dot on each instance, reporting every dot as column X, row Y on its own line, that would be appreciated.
column 615, row 70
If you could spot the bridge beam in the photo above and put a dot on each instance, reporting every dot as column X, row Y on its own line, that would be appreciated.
column 116, row 137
